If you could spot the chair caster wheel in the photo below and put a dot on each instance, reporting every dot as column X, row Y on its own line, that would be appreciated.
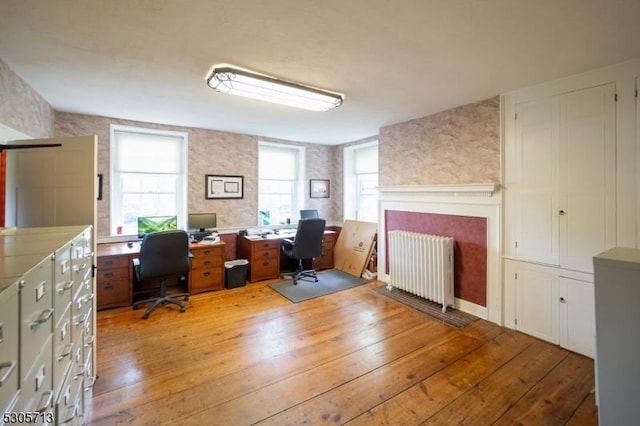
column 145, row 316
column 182, row 309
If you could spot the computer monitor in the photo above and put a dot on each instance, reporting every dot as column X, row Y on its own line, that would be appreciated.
column 309, row 214
column 150, row 224
column 201, row 221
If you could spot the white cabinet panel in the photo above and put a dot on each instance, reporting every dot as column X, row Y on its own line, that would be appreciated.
column 577, row 316
column 536, row 292
column 535, row 180
column 587, row 175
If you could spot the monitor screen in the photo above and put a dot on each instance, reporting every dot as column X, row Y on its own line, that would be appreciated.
column 202, row 221
column 309, row 214
column 149, row 224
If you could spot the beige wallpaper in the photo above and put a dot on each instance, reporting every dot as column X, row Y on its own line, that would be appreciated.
column 22, row 108
column 210, row 152
column 458, row 146
column 461, row 145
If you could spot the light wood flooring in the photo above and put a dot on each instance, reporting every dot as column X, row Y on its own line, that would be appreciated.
column 249, row 356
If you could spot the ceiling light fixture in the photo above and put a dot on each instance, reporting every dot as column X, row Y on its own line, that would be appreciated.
column 256, row 86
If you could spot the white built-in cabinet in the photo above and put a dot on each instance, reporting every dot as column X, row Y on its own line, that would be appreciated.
column 571, row 159
column 553, row 307
column 562, row 181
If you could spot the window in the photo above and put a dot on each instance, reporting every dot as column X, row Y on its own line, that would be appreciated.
column 148, row 176
column 281, row 185
column 361, row 182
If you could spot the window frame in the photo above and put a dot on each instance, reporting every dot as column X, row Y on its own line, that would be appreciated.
column 116, row 193
column 297, row 197
column 351, row 180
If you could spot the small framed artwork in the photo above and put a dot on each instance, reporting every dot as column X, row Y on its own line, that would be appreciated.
column 223, row 187
column 319, row 188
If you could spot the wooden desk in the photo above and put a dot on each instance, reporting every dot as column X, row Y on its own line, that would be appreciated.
column 116, row 283
column 264, row 258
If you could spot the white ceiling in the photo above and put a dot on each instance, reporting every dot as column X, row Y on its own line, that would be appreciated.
column 147, row 60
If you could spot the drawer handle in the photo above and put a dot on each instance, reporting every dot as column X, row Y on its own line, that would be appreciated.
column 44, row 317
column 206, row 252
column 108, row 287
column 108, row 262
column 79, row 268
column 206, row 274
column 68, row 349
column 89, row 383
column 47, row 397
column 8, row 367
column 65, row 287
column 108, row 275
column 89, row 341
column 87, row 298
column 265, row 263
column 265, row 254
column 207, row 262
column 81, row 319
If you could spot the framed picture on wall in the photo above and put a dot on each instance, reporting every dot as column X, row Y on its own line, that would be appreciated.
column 223, row 187
column 319, row 188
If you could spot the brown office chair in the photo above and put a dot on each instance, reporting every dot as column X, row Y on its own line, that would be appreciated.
column 307, row 245
column 163, row 254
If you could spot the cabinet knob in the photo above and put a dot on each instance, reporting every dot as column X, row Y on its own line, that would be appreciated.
column 561, row 212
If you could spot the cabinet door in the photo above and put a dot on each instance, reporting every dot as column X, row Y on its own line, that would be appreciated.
column 577, row 316
column 587, row 175
column 535, row 175
column 537, row 302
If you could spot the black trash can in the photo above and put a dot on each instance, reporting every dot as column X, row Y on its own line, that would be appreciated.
column 235, row 274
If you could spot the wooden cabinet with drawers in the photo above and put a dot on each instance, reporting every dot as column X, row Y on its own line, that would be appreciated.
column 325, row 261
column 263, row 255
column 113, row 281
column 207, row 268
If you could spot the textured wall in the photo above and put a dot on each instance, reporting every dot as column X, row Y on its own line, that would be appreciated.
column 461, row 145
column 210, row 152
column 22, row 108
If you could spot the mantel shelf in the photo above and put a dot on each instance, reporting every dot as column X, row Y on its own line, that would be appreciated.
column 483, row 189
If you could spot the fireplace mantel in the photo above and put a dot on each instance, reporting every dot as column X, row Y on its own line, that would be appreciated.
column 473, row 189
column 475, row 200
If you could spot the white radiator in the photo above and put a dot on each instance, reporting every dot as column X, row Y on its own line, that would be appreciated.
column 422, row 264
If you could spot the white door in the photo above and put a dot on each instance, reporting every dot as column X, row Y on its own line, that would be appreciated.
column 577, row 316
column 52, row 186
column 587, row 175
column 536, row 177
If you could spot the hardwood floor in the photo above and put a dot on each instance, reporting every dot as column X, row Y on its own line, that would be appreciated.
column 249, row 356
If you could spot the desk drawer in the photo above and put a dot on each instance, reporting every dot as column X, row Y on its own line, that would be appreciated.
column 206, row 279
column 259, row 246
column 264, row 269
column 113, row 293
column 112, row 274
column 112, row 262
column 206, row 262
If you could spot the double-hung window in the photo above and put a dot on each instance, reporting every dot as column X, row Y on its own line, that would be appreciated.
column 281, row 185
column 148, row 176
column 361, row 182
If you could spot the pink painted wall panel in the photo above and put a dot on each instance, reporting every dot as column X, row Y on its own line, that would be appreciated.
column 470, row 247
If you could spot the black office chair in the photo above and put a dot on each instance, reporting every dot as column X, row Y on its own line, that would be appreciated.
column 163, row 254
column 307, row 245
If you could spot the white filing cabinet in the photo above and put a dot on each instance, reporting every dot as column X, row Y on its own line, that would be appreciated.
column 617, row 300
column 46, row 318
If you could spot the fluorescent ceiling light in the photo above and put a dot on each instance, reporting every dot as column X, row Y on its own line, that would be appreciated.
column 244, row 83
